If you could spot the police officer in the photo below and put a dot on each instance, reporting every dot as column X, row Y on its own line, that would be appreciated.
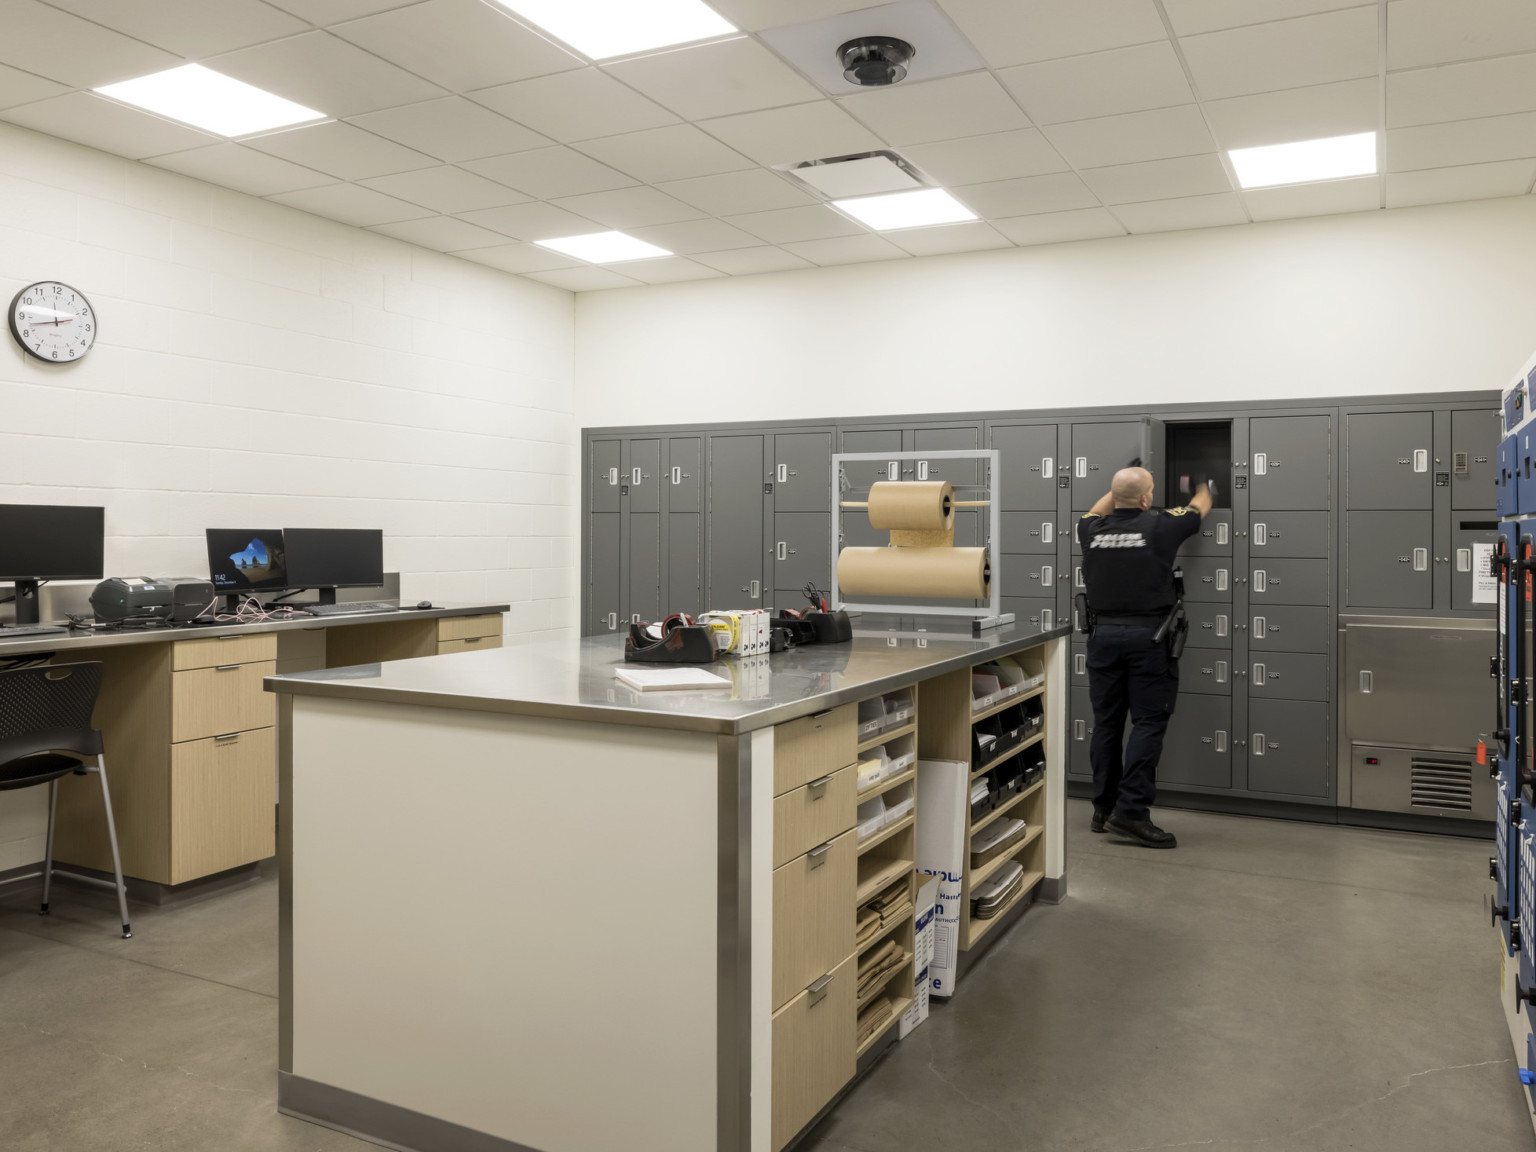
column 1128, row 559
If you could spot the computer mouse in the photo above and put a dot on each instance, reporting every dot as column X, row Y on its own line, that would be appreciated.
column 424, row 604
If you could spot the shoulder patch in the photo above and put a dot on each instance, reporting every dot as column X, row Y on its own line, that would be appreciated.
column 1091, row 516
column 1178, row 511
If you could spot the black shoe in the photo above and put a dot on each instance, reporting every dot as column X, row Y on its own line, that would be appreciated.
column 1097, row 823
column 1143, row 830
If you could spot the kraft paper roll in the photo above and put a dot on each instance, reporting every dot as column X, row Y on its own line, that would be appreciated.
column 944, row 573
column 912, row 504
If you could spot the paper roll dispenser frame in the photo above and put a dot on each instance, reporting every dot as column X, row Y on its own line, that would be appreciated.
column 989, row 615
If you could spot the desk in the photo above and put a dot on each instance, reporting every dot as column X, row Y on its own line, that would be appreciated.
column 666, row 957
column 190, row 738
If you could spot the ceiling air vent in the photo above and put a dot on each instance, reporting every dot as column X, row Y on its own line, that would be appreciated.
column 1443, row 784
column 862, row 174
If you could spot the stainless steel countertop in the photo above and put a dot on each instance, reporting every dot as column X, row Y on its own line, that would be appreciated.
column 574, row 680
column 83, row 640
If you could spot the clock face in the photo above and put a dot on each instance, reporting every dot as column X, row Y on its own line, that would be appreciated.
column 53, row 322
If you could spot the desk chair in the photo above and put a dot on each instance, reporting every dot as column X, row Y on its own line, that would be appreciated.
column 46, row 734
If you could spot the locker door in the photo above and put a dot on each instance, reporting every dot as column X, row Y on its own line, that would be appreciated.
column 1031, row 611
column 1030, row 576
column 1027, row 458
column 1288, row 747
column 1214, row 537
column 1288, row 534
column 604, row 491
column 1080, row 733
column 946, row 440
column 1077, row 668
column 801, row 554
column 1468, row 563
column 1207, row 578
column 1098, row 452
column 1289, row 676
column 802, row 472
column 1287, row 581
column 1287, row 628
column 1210, row 624
column 1387, row 558
column 685, row 564
column 1025, row 532
column 1205, row 671
column 1288, row 464
column 603, row 599
column 1474, row 456
column 861, row 474
column 735, row 522
column 1198, row 747
column 682, row 479
column 644, row 566
column 643, row 475
column 1390, row 460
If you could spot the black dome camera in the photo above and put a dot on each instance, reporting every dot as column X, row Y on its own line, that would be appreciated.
column 875, row 61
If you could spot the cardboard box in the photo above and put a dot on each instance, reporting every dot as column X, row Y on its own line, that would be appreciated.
column 922, row 955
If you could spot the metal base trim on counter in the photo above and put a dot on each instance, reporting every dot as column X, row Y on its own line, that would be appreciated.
column 1052, row 890
column 388, row 1125
column 161, row 895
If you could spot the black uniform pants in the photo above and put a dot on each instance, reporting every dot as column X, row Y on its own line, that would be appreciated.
column 1128, row 673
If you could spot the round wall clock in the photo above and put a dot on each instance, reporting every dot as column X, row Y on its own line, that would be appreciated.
column 53, row 322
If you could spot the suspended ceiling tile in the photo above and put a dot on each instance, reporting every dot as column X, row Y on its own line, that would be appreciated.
column 941, row 49
column 1011, row 32
column 577, row 105
column 1319, row 49
column 716, row 79
column 1460, row 182
column 446, row 189
column 89, row 119
column 535, row 221
column 816, row 222
column 973, row 236
column 676, row 152
column 451, row 128
column 342, row 150
column 846, row 250
column 319, row 71
column 625, row 208
column 1190, row 17
column 755, row 15
column 18, row 87
column 1423, row 32
column 1132, row 137
column 789, row 135
column 689, row 237
column 584, row 279
column 442, row 234
column 459, row 44
column 970, row 105
column 1329, row 198
column 1158, row 180
column 732, row 193
column 1061, row 227
column 750, row 261
column 978, row 159
column 669, row 270
column 1462, row 91
column 1100, row 83
column 351, row 204
column 1056, row 192
column 519, row 258
column 243, row 169
column 545, row 173
column 1478, row 141
column 1309, row 113
column 192, row 28
column 323, row 12
column 61, row 46
column 1213, row 211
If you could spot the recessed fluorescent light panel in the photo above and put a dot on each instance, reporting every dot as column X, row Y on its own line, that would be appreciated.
column 1306, row 161
column 906, row 210
column 210, row 100
column 606, row 28
column 603, row 247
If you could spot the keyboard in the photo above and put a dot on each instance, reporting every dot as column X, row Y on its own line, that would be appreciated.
column 359, row 608
column 32, row 630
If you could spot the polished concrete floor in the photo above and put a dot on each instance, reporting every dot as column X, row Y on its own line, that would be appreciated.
column 1271, row 986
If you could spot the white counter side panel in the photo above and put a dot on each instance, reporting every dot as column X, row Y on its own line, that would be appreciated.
column 508, row 922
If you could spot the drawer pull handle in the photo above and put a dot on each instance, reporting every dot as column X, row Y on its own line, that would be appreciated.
column 226, row 667
column 818, row 785
column 817, row 992
column 228, row 737
column 818, row 855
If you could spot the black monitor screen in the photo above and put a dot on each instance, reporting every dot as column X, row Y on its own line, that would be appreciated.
column 246, row 559
column 50, row 542
column 335, row 557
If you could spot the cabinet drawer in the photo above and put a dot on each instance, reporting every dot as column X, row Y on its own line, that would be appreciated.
column 225, row 698
column 223, row 795
column 814, row 814
column 812, row 1051
column 463, row 627
column 813, row 746
column 468, row 644
column 215, row 650
column 813, row 914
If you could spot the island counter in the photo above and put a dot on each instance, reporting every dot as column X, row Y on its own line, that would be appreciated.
column 526, row 908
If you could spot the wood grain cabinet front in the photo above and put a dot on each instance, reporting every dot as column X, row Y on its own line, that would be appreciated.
column 812, row 746
column 813, row 814
column 223, row 797
column 813, row 914
column 468, row 644
column 813, row 1044
column 222, row 699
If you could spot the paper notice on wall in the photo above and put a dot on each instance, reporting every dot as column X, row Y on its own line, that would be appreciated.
column 1485, row 587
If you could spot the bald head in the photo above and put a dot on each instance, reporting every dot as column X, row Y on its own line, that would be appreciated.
column 1132, row 488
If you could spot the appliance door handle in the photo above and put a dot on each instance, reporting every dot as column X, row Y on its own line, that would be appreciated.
column 1367, row 681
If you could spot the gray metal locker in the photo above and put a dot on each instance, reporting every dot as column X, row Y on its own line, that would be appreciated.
column 860, row 474
column 643, row 475
column 1207, row 671
column 644, row 602
column 1390, row 463
column 1032, row 611
column 1208, row 579
column 685, row 564
column 603, row 605
column 1030, row 576
column 1287, row 534
column 1101, row 450
column 1025, row 532
column 802, row 472
column 604, row 491
column 1077, row 666
column 1214, row 537
column 1289, row 676
column 1288, row 465
column 1288, row 628
column 945, row 440
column 1286, row 580
column 1198, row 748
column 1288, row 744
column 684, row 454
column 1080, row 734
column 1387, row 560
column 1468, row 562
column 1027, row 458
column 736, row 554
column 801, row 554
column 1210, row 624
column 1474, row 444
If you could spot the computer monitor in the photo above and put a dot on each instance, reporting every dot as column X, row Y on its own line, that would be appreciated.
column 246, row 560
column 48, row 542
column 330, row 558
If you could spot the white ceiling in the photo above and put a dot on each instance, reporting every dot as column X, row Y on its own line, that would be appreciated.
column 460, row 129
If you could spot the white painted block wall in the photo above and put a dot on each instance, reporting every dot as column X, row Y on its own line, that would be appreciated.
column 258, row 366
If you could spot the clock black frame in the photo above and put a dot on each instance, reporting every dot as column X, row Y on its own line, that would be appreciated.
column 10, row 321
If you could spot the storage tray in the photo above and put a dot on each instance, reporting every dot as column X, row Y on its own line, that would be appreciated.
column 997, row 891
column 994, row 840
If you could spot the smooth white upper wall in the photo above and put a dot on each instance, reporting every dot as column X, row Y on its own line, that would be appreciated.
column 1411, row 300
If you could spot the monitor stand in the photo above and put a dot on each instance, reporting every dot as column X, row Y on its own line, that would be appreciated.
column 327, row 595
column 26, row 602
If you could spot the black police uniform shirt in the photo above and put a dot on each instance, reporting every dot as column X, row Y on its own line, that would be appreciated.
column 1128, row 558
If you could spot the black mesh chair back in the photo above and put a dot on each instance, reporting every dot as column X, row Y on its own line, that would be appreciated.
column 46, row 709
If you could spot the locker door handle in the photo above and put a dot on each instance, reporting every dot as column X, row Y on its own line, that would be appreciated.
column 1260, row 579
column 677, row 475
column 1047, row 575
column 922, row 469
column 1261, row 464
column 781, row 551
column 1221, row 740
column 1221, row 533
column 1077, row 576
column 1463, row 559
column 1260, row 627
column 1047, row 532
column 1047, row 619
column 1421, row 559
column 1260, row 535
column 892, row 470
column 635, row 619
column 613, row 477
column 1421, row 459
column 757, row 589
column 1047, row 467
column 1258, row 675
column 1222, row 581
column 1221, row 625
column 1077, row 729
column 781, row 473
column 1080, row 467
column 1079, row 663
column 1367, row 682
column 634, row 476
column 1258, row 743
column 613, row 620
column 1221, row 671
